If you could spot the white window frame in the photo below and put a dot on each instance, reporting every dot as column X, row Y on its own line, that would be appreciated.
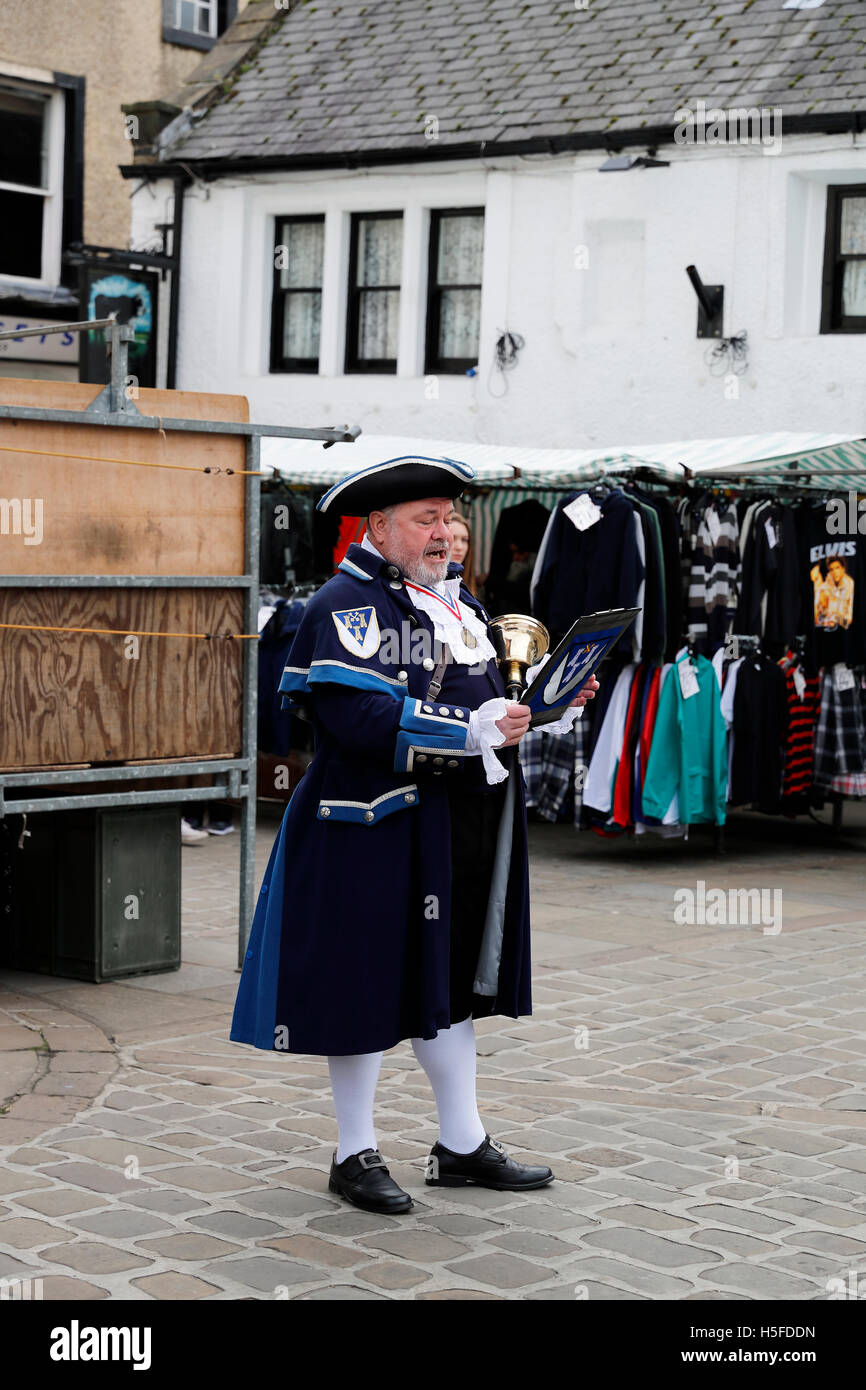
column 52, row 192
column 211, row 9
column 263, row 207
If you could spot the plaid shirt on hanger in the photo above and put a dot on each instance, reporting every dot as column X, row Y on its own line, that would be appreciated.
column 548, row 766
column 840, row 740
column 553, row 765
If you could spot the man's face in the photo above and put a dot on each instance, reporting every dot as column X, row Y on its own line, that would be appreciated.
column 836, row 571
column 417, row 537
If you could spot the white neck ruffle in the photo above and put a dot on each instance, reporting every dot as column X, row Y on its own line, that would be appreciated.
column 448, row 628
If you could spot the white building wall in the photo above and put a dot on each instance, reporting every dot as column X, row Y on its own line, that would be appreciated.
column 588, row 267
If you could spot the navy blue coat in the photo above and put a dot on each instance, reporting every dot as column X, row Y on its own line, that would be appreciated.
column 349, row 947
column 586, row 571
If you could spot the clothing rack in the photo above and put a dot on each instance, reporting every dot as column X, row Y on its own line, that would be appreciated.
column 806, row 483
column 698, row 491
column 611, row 477
column 791, row 483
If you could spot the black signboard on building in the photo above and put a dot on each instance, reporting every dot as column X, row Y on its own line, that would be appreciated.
column 132, row 295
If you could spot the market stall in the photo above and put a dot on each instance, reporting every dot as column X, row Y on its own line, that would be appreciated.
column 673, row 537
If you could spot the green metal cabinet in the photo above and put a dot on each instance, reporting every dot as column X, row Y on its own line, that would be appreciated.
column 96, row 894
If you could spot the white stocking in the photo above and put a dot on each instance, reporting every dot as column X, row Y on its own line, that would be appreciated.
column 353, row 1084
column 449, row 1061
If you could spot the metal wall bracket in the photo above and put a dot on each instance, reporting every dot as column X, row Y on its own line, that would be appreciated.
column 711, row 305
column 114, row 399
column 106, row 403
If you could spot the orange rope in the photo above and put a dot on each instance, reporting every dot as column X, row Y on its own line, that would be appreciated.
column 130, row 632
column 138, row 463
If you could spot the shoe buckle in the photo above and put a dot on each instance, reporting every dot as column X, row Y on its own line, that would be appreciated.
column 374, row 1160
column 495, row 1144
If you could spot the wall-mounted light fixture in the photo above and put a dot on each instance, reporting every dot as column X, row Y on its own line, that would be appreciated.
column 711, row 305
column 615, row 162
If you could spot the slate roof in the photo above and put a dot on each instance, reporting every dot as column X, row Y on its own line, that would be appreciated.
column 359, row 77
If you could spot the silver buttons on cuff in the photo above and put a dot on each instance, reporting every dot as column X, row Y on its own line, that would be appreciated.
column 368, row 816
column 428, row 709
column 458, row 714
column 437, row 762
column 409, row 798
column 453, row 762
column 421, row 758
column 443, row 710
column 325, row 811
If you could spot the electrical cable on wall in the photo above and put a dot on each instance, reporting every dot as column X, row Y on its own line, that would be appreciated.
column 728, row 355
column 508, row 345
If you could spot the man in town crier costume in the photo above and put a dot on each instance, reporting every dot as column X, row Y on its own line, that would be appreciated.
column 395, row 904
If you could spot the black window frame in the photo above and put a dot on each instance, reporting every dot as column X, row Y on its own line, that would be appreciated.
column 226, row 14
column 832, row 318
column 353, row 363
column 75, row 89
column 433, row 363
column 279, row 363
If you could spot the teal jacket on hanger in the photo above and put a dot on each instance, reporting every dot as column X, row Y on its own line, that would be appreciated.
column 689, row 752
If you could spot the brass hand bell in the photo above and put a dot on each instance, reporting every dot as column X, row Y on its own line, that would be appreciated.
column 524, row 641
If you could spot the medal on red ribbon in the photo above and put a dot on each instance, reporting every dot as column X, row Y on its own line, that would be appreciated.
column 451, row 604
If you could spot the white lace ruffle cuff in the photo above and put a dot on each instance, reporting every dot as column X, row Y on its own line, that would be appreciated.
column 483, row 736
column 565, row 723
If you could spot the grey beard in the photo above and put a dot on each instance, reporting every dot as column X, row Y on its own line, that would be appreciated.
column 428, row 574
column 420, row 572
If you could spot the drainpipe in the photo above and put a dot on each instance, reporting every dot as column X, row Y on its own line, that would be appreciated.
column 180, row 182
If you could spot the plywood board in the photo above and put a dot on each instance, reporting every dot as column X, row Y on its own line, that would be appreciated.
column 68, row 507
column 78, row 698
column 78, row 395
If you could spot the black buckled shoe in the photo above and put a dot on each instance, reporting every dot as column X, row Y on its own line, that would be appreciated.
column 364, row 1180
column 488, row 1166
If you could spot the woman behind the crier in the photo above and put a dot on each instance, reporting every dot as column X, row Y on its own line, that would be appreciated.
column 461, row 549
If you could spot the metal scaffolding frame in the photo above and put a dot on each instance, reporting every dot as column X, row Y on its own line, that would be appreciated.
column 236, row 776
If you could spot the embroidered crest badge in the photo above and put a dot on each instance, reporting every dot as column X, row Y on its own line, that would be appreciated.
column 570, row 672
column 358, row 630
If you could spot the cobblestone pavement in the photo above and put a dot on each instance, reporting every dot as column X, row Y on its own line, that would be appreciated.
column 698, row 1090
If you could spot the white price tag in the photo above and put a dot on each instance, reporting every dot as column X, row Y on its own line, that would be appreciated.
column 843, row 677
column 583, row 512
column 799, row 682
column 771, row 533
column 714, row 526
column 688, row 678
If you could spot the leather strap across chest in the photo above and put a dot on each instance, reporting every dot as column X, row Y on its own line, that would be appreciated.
column 436, row 679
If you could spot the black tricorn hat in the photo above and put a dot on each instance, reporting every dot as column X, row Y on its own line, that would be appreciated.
column 407, row 479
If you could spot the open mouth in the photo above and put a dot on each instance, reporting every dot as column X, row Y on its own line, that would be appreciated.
column 436, row 555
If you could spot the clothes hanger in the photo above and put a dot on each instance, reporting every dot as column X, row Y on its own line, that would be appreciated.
column 600, row 491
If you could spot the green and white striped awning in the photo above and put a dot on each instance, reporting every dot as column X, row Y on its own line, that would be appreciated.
column 824, row 460
column 506, row 474
column 305, row 461
column 500, row 465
